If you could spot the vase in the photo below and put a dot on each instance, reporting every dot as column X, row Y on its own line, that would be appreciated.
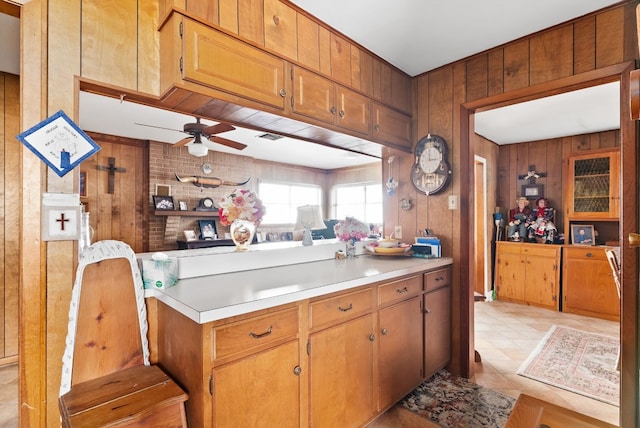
column 242, row 232
column 351, row 248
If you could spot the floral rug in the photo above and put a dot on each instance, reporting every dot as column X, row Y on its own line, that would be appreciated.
column 578, row 361
column 453, row 402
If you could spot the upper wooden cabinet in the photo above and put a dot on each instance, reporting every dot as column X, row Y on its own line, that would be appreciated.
column 319, row 98
column 391, row 127
column 593, row 186
column 215, row 59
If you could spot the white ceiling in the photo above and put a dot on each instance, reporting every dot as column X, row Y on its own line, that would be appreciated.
column 414, row 35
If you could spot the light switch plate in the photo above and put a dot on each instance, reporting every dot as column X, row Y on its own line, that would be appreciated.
column 453, row 202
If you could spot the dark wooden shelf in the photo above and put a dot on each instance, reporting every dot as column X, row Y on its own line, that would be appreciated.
column 204, row 243
column 186, row 213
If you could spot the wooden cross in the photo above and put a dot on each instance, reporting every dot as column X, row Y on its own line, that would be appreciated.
column 62, row 221
column 532, row 175
column 112, row 172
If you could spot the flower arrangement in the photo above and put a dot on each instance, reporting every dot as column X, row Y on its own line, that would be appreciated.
column 241, row 204
column 351, row 229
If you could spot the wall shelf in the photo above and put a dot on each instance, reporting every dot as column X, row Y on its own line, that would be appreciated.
column 186, row 213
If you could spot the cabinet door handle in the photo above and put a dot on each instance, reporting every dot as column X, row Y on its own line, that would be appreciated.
column 283, row 93
column 261, row 335
column 384, row 331
column 371, row 337
column 402, row 291
column 427, row 311
column 348, row 308
column 297, row 370
column 341, row 113
column 333, row 110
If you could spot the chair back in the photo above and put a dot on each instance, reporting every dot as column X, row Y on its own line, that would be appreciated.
column 107, row 329
column 612, row 257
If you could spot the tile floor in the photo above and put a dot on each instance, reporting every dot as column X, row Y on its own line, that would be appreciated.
column 506, row 333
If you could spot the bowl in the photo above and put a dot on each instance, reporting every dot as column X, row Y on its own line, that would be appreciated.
column 388, row 243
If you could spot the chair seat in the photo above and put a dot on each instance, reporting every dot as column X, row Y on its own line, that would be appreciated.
column 138, row 396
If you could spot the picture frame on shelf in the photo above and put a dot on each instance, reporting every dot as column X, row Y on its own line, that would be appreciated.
column 182, row 205
column 533, row 191
column 190, row 235
column 207, row 229
column 163, row 203
column 583, row 234
column 163, row 189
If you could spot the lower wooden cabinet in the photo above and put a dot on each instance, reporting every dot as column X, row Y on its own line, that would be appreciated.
column 437, row 321
column 528, row 273
column 335, row 360
column 588, row 287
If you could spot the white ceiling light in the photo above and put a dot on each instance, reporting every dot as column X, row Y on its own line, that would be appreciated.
column 197, row 148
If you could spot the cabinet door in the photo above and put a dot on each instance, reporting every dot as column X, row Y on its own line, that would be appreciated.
column 313, row 96
column 542, row 280
column 214, row 59
column 399, row 350
column 353, row 110
column 391, row 127
column 589, row 289
column 510, row 276
column 437, row 330
column 262, row 390
column 593, row 188
column 341, row 374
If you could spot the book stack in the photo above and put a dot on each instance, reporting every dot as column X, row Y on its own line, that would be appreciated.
column 427, row 244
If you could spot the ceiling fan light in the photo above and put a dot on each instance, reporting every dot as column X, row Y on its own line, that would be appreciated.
column 197, row 149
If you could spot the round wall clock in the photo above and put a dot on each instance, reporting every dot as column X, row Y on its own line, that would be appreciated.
column 205, row 204
column 430, row 173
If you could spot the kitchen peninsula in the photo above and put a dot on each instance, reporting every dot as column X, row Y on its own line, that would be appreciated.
column 285, row 335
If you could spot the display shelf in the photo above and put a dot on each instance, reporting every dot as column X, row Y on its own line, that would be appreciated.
column 186, row 213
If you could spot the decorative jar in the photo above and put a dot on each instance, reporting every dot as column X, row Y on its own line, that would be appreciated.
column 242, row 232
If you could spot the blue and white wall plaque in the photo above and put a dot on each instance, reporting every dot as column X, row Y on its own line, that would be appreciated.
column 59, row 143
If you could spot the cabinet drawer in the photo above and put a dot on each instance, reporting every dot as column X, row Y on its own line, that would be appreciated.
column 539, row 250
column 399, row 290
column 340, row 308
column 585, row 253
column 509, row 247
column 437, row 279
column 254, row 333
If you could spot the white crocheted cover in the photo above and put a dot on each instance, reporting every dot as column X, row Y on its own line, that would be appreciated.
column 102, row 250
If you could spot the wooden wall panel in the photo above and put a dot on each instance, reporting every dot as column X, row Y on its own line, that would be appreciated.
column 148, row 66
column 109, row 46
column 495, row 75
column 280, row 29
column 308, row 42
column 324, row 37
column 340, row 59
column 251, row 20
column 356, row 82
column 584, row 45
column 551, row 55
column 228, row 19
column 477, row 77
column 516, row 66
column 4, row 286
column 610, row 37
column 205, row 10
column 366, row 73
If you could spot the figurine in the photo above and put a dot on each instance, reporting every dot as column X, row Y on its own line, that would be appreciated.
column 541, row 225
column 518, row 220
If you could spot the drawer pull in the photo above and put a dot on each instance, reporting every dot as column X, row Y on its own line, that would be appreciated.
column 384, row 331
column 427, row 311
column 261, row 335
column 404, row 290
column 589, row 255
column 440, row 278
column 341, row 309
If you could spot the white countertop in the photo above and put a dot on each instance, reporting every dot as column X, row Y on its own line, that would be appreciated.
column 213, row 297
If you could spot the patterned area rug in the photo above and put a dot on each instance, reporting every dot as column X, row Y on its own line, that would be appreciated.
column 455, row 403
column 578, row 361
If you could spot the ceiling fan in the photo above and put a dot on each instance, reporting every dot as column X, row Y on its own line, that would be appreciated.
column 198, row 130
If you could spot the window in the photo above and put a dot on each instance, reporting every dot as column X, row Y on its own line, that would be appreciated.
column 283, row 199
column 362, row 201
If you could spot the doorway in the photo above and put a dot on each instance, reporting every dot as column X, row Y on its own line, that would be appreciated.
column 481, row 267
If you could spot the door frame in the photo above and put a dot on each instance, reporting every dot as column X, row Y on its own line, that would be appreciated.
column 629, row 306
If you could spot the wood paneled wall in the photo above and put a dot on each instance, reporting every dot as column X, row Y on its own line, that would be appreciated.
column 9, row 216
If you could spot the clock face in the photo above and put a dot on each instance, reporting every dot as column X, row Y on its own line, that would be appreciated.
column 207, row 202
column 430, row 173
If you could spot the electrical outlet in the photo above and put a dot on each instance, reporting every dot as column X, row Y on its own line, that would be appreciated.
column 398, row 232
column 453, row 202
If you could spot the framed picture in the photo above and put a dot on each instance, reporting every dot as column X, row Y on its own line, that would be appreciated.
column 533, row 191
column 163, row 202
column 582, row 234
column 190, row 235
column 207, row 229
column 183, row 206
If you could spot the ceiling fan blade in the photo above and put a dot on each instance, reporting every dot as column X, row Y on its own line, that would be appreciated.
column 183, row 142
column 217, row 129
column 227, row 142
column 158, row 127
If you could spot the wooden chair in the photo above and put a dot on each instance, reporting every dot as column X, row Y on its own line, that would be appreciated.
column 612, row 257
column 106, row 379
